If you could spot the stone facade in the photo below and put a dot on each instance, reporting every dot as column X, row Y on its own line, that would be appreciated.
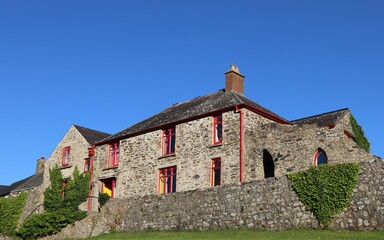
column 78, row 153
column 141, row 158
column 268, row 204
column 291, row 147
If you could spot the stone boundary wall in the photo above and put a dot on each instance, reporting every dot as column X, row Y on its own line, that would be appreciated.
column 34, row 203
column 268, row 204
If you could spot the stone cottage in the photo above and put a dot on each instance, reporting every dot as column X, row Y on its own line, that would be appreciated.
column 217, row 139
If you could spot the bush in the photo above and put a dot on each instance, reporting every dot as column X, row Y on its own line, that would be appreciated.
column 10, row 211
column 74, row 193
column 325, row 189
column 48, row 223
column 103, row 199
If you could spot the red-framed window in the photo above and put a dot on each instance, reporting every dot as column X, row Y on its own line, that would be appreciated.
column 109, row 186
column 113, row 155
column 167, row 180
column 217, row 129
column 66, row 156
column 63, row 187
column 216, row 172
column 169, row 140
column 87, row 165
column 320, row 157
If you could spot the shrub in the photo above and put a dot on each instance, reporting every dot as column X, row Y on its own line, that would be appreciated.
column 10, row 211
column 48, row 223
column 326, row 189
column 103, row 199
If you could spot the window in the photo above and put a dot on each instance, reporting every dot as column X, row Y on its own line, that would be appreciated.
column 167, row 180
column 216, row 172
column 113, row 156
column 87, row 165
column 169, row 140
column 63, row 187
column 320, row 157
column 217, row 129
column 65, row 156
column 109, row 186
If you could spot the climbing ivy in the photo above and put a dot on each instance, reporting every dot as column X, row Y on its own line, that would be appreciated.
column 325, row 189
column 53, row 199
column 359, row 135
column 61, row 205
column 10, row 211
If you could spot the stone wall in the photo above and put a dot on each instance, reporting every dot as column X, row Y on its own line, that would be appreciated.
column 268, row 204
column 34, row 203
column 293, row 147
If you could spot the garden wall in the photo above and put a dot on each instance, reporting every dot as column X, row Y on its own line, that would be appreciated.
column 268, row 204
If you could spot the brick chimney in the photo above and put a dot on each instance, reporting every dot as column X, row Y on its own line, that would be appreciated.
column 234, row 80
column 40, row 165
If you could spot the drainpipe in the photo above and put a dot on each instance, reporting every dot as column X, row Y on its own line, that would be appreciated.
column 241, row 143
column 91, row 154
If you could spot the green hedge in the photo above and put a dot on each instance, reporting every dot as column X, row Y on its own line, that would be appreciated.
column 326, row 189
column 49, row 223
column 10, row 211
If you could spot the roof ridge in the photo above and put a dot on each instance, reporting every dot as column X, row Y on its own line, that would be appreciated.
column 321, row 114
column 86, row 128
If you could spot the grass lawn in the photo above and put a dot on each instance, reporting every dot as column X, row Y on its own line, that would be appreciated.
column 245, row 234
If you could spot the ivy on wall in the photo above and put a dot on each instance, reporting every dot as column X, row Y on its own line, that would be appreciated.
column 358, row 135
column 10, row 211
column 61, row 205
column 326, row 189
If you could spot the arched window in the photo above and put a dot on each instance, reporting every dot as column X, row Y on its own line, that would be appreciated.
column 269, row 166
column 320, row 157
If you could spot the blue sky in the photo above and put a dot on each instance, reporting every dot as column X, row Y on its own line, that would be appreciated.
column 106, row 65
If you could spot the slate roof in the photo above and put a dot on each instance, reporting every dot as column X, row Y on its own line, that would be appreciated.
column 324, row 119
column 193, row 109
column 90, row 135
column 31, row 182
column 3, row 190
column 13, row 186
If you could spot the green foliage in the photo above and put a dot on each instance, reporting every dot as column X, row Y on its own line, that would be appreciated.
column 61, row 205
column 74, row 193
column 359, row 135
column 48, row 223
column 10, row 211
column 326, row 189
column 52, row 195
column 103, row 199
